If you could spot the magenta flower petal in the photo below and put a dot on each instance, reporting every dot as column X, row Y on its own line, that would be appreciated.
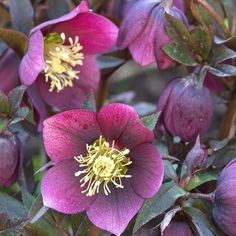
column 66, row 134
column 47, row 26
column 61, row 189
column 114, row 212
column 33, row 61
column 9, row 64
column 120, row 122
column 96, row 33
column 136, row 19
column 38, row 106
column 146, row 170
column 73, row 97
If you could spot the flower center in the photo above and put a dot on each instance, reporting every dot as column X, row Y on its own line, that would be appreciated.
column 61, row 60
column 102, row 165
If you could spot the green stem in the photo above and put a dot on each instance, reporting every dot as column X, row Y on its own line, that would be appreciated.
column 209, row 197
column 201, row 75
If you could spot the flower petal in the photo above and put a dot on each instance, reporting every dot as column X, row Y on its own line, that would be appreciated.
column 114, row 212
column 134, row 22
column 33, row 61
column 73, row 97
column 9, row 65
column 96, row 33
column 46, row 26
column 40, row 113
column 61, row 188
column 146, row 169
column 121, row 123
column 66, row 134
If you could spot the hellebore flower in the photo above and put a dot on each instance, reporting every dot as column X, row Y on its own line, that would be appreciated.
column 180, row 228
column 61, row 57
column 224, row 209
column 187, row 108
column 9, row 64
column 196, row 158
column 105, row 163
column 143, row 31
column 11, row 158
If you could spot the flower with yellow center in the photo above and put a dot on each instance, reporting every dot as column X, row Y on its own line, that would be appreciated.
column 102, row 165
column 61, row 60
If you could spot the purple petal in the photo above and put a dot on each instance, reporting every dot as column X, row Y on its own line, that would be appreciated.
column 46, row 26
column 66, row 134
column 61, row 188
column 38, row 106
column 147, row 170
column 115, row 211
column 33, row 61
column 96, row 33
column 9, row 65
column 134, row 22
column 121, row 123
column 73, row 97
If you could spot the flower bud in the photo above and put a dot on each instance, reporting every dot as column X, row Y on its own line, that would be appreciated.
column 186, row 107
column 196, row 159
column 143, row 31
column 224, row 210
column 10, row 159
column 179, row 228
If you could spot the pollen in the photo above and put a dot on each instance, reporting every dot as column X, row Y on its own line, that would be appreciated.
column 61, row 57
column 103, row 165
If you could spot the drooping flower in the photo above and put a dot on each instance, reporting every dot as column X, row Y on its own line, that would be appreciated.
column 224, row 209
column 9, row 64
column 61, row 56
column 143, row 31
column 180, row 228
column 11, row 158
column 186, row 107
column 105, row 163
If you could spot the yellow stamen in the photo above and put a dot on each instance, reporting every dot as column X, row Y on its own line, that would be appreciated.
column 103, row 164
column 61, row 60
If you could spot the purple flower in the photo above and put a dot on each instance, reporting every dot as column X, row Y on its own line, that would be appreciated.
column 9, row 65
column 180, row 228
column 187, row 108
column 61, row 56
column 196, row 158
column 105, row 163
column 11, row 158
column 224, row 210
column 143, row 31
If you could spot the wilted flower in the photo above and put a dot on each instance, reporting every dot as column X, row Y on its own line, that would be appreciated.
column 180, row 228
column 224, row 210
column 11, row 158
column 186, row 107
column 61, row 57
column 143, row 31
column 9, row 64
column 105, row 163
column 196, row 158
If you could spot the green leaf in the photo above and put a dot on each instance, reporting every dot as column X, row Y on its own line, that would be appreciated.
column 22, row 15
column 221, row 53
column 223, row 70
column 12, row 212
column 163, row 200
column 202, row 41
column 27, row 198
column 14, row 40
column 202, row 222
column 180, row 54
column 150, row 120
column 170, row 173
column 57, row 8
column 201, row 178
column 4, row 103
column 109, row 62
column 177, row 31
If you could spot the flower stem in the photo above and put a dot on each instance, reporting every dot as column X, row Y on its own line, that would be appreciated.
column 217, row 17
column 209, row 196
column 102, row 92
